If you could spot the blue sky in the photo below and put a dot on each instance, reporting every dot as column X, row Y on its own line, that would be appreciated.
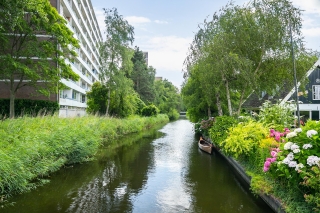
column 165, row 28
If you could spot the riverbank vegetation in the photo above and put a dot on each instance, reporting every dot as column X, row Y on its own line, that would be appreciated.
column 33, row 147
column 247, row 50
column 282, row 162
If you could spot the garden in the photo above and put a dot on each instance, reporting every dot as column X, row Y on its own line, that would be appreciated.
column 281, row 160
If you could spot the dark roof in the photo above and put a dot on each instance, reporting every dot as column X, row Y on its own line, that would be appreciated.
column 254, row 101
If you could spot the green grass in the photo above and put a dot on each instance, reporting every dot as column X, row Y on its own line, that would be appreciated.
column 32, row 148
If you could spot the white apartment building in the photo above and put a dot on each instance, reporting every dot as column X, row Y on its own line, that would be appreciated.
column 82, row 21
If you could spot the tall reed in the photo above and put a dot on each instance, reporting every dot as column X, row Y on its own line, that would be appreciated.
column 32, row 148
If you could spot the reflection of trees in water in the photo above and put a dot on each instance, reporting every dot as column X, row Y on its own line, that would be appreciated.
column 216, row 188
column 124, row 174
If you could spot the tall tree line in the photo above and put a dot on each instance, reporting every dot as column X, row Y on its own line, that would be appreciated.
column 243, row 49
column 127, row 84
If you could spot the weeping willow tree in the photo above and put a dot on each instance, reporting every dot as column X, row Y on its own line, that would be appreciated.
column 246, row 48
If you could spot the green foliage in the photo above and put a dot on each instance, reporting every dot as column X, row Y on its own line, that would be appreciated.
column 97, row 99
column 115, row 59
column 143, row 77
column 219, row 131
column 28, row 107
column 150, row 110
column 32, row 148
column 21, row 21
column 241, row 49
column 244, row 139
column 167, row 97
column 276, row 115
column 173, row 114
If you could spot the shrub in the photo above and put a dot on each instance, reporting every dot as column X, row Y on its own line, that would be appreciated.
column 244, row 139
column 28, row 107
column 150, row 110
column 173, row 114
column 218, row 131
column 277, row 116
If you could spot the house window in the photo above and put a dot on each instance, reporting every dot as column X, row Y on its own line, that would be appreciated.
column 316, row 92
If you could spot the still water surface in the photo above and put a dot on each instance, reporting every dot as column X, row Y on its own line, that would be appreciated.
column 156, row 171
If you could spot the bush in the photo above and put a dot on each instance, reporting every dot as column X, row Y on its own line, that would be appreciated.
column 173, row 114
column 277, row 116
column 244, row 139
column 150, row 110
column 218, row 131
column 28, row 107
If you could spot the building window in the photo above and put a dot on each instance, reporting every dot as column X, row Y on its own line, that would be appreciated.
column 74, row 95
column 316, row 92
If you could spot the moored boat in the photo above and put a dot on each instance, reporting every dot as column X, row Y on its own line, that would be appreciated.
column 205, row 145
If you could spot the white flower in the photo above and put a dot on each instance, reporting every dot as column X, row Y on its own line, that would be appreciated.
column 291, row 135
column 294, row 146
column 307, row 146
column 311, row 132
column 313, row 160
column 297, row 130
column 286, row 161
column 296, row 151
column 288, row 145
column 299, row 166
column 290, row 156
column 292, row 164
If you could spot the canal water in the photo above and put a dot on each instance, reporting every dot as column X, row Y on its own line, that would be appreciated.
column 155, row 171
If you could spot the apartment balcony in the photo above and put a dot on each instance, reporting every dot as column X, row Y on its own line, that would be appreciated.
column 71, row 102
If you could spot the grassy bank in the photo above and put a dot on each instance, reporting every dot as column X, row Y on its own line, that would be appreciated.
column 32, row 148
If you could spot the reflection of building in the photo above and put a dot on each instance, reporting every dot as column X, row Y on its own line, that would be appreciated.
column 145, row 55
column 82, row 21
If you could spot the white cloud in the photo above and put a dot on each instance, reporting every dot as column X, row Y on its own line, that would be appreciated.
column 160, row 22
column 311, row 32
column 137, row 20
column 100, row 19
column 309, row 6
column 166, row 52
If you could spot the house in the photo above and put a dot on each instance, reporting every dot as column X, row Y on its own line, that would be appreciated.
column 309, row 100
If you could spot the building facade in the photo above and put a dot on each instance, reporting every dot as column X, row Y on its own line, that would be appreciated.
column 82, row 21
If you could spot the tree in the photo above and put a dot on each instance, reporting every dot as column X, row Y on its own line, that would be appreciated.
column 247, row 48
column 114, row 51
column 143, row 77
column 34, row 43
column 167, row 98
column 97, row 98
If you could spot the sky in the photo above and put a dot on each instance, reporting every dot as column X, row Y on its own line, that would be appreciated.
column 165, row 28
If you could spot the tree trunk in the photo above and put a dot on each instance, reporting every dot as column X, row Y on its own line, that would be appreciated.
column 209, row 112
column 228, row 95
column 108, row 103
column 12, row 97
column 220, row 112
column 240, row 102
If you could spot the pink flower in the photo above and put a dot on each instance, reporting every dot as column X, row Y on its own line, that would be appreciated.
column 267, row 163
column 273, row 154
column 273, row 160
column 271, row 130
column 265, row 169
column 271, row 134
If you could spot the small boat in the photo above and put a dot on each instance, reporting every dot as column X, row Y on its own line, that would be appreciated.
column 205, row 145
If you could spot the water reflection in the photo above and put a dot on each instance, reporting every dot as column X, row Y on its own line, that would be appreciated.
column 157, row 171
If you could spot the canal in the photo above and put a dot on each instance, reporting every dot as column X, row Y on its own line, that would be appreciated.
column 155, row 171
